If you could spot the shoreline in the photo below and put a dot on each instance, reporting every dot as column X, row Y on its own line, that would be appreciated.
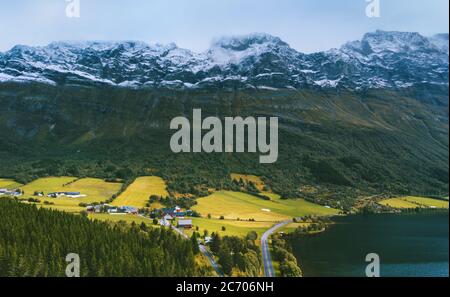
column 293, row 235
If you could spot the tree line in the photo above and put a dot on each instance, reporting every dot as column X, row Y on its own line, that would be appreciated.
column 35, row 242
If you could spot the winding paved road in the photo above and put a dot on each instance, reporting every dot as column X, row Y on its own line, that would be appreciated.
column 203, row 250
column 267, row 258
column 208, row 255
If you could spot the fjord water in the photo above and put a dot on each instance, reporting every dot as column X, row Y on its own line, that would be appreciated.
column 409, row 245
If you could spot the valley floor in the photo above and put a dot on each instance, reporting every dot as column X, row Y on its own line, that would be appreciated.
column 226, row 213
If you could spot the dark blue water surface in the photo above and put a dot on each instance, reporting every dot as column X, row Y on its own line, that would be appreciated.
column 410, row 245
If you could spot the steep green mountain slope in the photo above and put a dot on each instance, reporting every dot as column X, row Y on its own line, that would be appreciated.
column 346, row 141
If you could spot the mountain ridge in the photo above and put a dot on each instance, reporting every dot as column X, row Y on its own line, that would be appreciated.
column 381, row 59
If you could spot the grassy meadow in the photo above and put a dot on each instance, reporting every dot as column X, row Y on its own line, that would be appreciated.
column 414, row 202
column 232, row 227
column 9, row 184
column 96, row 190
column 241, row 212
column 139, row 192
column 47, row 184
column 237, row 205
column 117, row 218
column 427, row 202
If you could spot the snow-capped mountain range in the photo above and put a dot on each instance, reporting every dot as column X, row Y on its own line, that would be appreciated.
column 380, row 60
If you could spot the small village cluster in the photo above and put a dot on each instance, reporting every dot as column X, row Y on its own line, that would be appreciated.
column 106, row 208
column 165, row 216
column 13, row 193
column 168, row 215
column 60, row 194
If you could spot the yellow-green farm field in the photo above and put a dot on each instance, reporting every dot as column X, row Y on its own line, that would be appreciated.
column 9, row 184
column 139, row 192
column 237, row 205
column 232, row 227
column 292, row 227
column 397, row 203
column 427, row 202
column 74, row 209
column 47, row 184
column 96, row 190
column 237, row 228
column 414, row 202
column 117, row 218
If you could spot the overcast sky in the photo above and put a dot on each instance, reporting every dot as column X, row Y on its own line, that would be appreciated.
column 307, row 25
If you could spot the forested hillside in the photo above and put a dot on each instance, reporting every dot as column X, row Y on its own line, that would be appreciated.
column 35, row 242
column 349, row 142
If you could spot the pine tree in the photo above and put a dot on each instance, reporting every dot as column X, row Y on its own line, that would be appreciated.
column 216, row 243
column 226, row 261
column 194, row 241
